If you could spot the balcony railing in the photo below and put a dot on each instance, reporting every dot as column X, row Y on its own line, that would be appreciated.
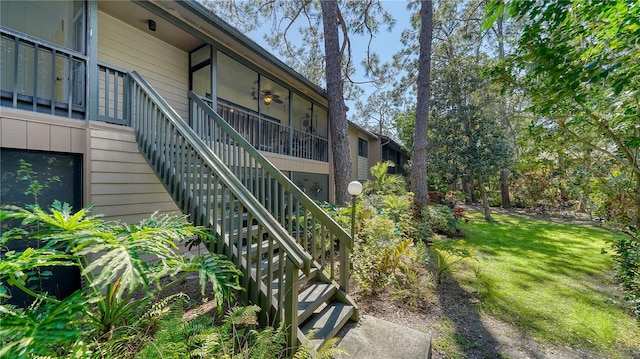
column 113, row 95
column 269, row 135
column 40, row 76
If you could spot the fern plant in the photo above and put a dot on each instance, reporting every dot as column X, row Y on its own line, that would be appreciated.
column 236, row 337
column 112, row 279
column 327, row 350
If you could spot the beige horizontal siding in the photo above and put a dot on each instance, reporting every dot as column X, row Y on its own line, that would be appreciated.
column 33, row 131
column 118, row 188
column 165, row 67
column 123, row 186
column 287, row 163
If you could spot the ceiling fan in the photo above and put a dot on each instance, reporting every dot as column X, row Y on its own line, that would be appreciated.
column 268, row 97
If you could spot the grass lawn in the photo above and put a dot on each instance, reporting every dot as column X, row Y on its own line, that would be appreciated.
column 551, row 281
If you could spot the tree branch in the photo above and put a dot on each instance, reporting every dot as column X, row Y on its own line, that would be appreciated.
column 286, row 30
column 625, row 151
column 563, row 125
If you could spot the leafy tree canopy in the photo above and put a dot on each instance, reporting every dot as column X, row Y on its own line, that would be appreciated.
column 581, row 66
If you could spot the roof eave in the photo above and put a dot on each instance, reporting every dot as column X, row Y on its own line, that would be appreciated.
column 203, row 12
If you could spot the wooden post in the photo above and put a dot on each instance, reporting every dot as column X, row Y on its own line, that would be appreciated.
column 291, row 306
column 345, row 263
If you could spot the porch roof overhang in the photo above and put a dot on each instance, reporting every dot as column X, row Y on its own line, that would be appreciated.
column 389, row 142
column 371, row 135
column 187, row 24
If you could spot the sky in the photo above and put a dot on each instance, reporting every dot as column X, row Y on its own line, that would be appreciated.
column 385, row 43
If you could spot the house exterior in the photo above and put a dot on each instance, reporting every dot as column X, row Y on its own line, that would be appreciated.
column 368, row 148
column 365, row 151
column 58, row 92
column 115, row 103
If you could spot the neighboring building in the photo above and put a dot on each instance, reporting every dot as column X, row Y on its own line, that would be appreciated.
column 368, row 148
column 80, row 80
column 365, row 151
column 393, row 151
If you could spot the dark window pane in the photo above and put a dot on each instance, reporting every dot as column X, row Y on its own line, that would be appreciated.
column 363, row 149
column 41, row 178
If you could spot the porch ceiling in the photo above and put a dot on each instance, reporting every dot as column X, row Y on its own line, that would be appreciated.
column 138, row 17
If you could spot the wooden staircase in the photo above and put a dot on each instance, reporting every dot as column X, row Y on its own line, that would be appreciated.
column 294, row 257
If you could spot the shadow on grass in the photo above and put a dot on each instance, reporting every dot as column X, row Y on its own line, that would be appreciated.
column 550, row 280
column 469, row 332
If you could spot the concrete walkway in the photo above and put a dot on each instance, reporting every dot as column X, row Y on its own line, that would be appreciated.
column 373, row 338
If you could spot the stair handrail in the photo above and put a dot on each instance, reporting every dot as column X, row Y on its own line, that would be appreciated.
column 309, row 204
column 295, row 253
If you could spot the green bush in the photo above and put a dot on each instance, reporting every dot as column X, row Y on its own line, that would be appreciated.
column 384, row 183
column 237, row 336
column 626, row 256
column 442, row 220
column 118, row 303
column 446, row 254
column 377, row 253
column 413, row 282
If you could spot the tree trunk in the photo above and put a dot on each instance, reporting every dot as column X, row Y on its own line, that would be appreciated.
column 504, row 188
column 335, row 93
column 637, row 219
column 485, row 203
column 419, row 164
column 504, row 121
column 467, row 188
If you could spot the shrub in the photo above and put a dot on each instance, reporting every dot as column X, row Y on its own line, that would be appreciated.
column 455, row 197
column 107, row 308
column 441, row 220
column 458, row 212
column 436, row 197
column 413, row 282
column 626, row 256
column 236, row 336
column 377, row 253
column 446, row 255
column 384, row 183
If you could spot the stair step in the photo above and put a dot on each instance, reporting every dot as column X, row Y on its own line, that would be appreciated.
column 313, row 297
column 243, row 231
column 264, row 265
column 327, row 323
column 302, row 279
column 265, row 248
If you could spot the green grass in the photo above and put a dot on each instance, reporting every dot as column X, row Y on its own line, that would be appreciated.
column 550, row 280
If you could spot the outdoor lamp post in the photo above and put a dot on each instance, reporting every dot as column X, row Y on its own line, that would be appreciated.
column 354, row 189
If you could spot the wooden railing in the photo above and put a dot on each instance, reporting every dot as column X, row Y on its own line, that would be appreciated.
column 270, row 136
column 113, row 96
column 205, row 188
column 40, row 76
column 327, row 242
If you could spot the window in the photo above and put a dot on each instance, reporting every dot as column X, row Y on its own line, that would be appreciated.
column 58, row 174
column 236, row 83
column 44, row 71
column 58, row 22
column 363, row 148
column 28, row 177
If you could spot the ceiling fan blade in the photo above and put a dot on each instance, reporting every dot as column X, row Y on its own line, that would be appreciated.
column 277, row 99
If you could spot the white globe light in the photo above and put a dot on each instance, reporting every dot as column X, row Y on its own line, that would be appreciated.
column 354, row 188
